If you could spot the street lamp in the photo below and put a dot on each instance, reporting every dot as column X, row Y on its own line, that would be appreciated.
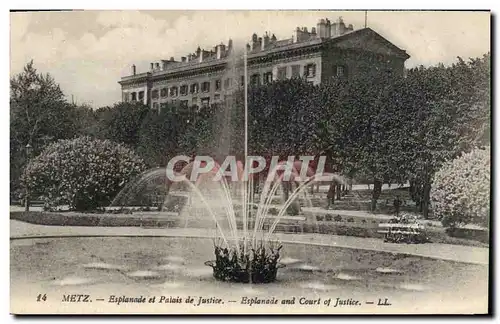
column 29, row 150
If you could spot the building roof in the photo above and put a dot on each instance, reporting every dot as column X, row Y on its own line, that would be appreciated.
column 364, row 39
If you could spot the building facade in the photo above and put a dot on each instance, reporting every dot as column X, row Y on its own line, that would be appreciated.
column 327, row 51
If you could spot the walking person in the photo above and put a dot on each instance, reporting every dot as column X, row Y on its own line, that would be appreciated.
column 397, row 205
column 330, row 196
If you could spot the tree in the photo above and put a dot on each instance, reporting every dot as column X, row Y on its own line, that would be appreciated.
column 121, row 122
column 159, row 137
column 461, row 189
column 39, row 114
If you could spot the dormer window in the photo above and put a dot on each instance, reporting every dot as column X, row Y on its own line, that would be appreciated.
column 163, row 92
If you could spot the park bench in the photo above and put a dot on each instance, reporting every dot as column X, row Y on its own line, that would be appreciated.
column 403, row 232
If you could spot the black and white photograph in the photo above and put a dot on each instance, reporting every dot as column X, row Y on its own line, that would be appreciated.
column 250, row 162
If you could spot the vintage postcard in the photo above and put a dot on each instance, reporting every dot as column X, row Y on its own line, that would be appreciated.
column 250, row 162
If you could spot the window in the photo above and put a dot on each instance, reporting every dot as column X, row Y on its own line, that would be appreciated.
column 217, row 97
column 227, row 83
column 194, row 88
column 340, row 71
column 141, row 95
column 255, row 80
column 205, row 102
column 281, row 73
column 174, row 91
column 310, row 70
column 163, row 107
column 155, row 106
column 184, row 90
column 268, row 77
column 163, row 92
column 295, row 71
column 125, row 97
column 154, row 94
column 205, row 86
column 134, row 96
column 218, row 85
column 184, row 103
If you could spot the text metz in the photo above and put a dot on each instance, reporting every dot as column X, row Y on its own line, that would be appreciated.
column 76, row 298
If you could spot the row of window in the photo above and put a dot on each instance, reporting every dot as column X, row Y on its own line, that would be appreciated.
column 205, row 102
column 134, row 96
column 267, row 77
column 255, row 80
column 184, row 90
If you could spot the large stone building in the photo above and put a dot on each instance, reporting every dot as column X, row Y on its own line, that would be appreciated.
column 329, row 50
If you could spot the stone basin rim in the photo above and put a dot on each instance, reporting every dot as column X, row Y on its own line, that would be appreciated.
column 34, row 237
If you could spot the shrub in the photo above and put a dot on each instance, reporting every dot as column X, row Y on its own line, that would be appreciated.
column 328, row 218
column 319, row 218
column 460, row 191
column 337, row 218
column 83, row 173
column 350, row 220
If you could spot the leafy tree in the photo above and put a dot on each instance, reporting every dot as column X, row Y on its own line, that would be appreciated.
column 159, row 136
column 121, row 122
column 39, row 114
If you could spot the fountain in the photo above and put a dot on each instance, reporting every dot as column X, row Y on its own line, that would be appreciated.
column 244, row 246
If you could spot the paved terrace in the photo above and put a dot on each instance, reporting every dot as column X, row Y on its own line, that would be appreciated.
column 457, row 253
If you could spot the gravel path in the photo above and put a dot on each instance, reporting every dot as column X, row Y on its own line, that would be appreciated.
column 458, row 253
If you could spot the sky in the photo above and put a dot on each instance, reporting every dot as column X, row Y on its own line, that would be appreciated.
column 87, row 52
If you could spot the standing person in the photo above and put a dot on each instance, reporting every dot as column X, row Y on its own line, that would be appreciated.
column 397, row 205
column 330, row 196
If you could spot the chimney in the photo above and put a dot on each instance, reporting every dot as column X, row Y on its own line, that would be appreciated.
column 273, row 38
column 172, row 59
column 321, row 28
column 152, row 66
column 220, row 50
column 342, row 28
column 265, row 41
column 296, row 35
column 203, row 55
column 133, row 69
column 259, row 43
column 334, row 30
column 350, row 28
column 313, row 30
column 230, row 44
column 157, row 66
column 328, row 28
column 183, row 59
